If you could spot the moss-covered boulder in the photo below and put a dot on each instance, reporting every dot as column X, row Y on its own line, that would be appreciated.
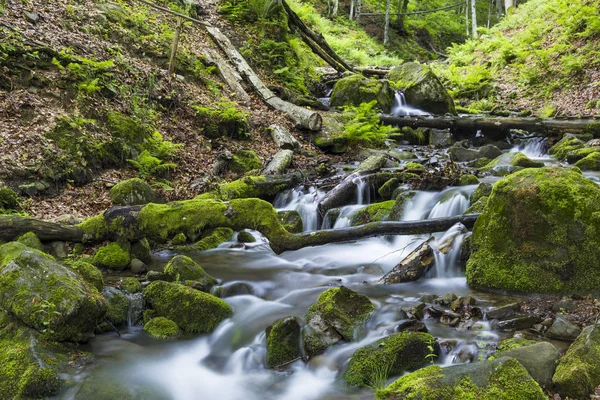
column 244, row 161
column 89, row 273
column 112, row 256
column 579, row 154
column 400, row 205
column 538, row 358
column 117, row 310
column 388, row 188
column 373, row 213
column 283, row 342
column 141, row 250
column 29, row 239
column 478, row 206
column 468, row 179
column 335, row 316
column 540, row 233
column 356, row 89
column 133, row 192
column 590, row 163
column 500, row 379
column 162, row 328
column 483, row 190
column 28, row 365
column 131, row 285
column 8, row 200
column 332, row 144
column 422, row 88
column 214, row 239
column 193, row 311
column 394, row 354
column 578, row 372
column 183, row 268
column 567, row 144
column 508, row 163
column 47, row 296
column 250, row 187
column 291, row 221
column 245, row 237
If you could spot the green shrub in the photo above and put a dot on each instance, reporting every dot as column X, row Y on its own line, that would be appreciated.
column 362, row 125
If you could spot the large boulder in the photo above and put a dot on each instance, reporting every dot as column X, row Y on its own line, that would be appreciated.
column 540, row 232
column 422, row 88
column 373, row 213
column 393, row 354
column 283, row 342
column 184, row 269
column 460, row 153
column 132, row 192
column 335, row 316
column 356, row 89
column 539, row 359
column 501, row 379
column 244, row 161
column 508, row 163
column 193, row 311
column 578, row 372
column 47, row 296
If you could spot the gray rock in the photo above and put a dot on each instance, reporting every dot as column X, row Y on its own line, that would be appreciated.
column 67, row 219
column 137, row 266
column 428, row 298
column 234, row 289
column 448, row 298
column 132, row 192
column 58, row 249
column 155, row 276
column 563, row 329
column 370, row 270
column 411, row 325
column 564, row 305
column 539, row 360
column 440, row 138
column 518, row 323
column 461, row 154
column 141, row 250
column 504, row 312
column 32, row 17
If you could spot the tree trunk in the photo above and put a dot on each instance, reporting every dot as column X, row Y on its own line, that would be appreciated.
column 283, row 138
column 508, row 4
column 544, row 126
column 474, row 18
column 279, row 163
column 12, row 227
column 413, row 267
column 301, row 116
column 229, row 75
column 467, row 17
column 489, row 18
column 334, row 11
column 351, row 10
column 386, row 28
column 402, row 10
column 358, row 9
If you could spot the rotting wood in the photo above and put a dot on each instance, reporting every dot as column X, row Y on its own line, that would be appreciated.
column 413, row 266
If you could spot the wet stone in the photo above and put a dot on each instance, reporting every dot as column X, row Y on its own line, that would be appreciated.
column 428, row 298
column 504, row 312
column 563, row 329
column 520, row 322
column 411, row 325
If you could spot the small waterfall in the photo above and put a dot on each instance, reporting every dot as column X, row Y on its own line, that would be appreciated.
column 345, row 217
column 363, row 191
column 304, row 201
column 325, row 100
column 448, row 253
column 451, row 203
column 400, row 107
column 135, row 312
column 533, row 148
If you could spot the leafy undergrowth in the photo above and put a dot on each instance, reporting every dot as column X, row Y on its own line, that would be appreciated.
column 86, row 100
column 544, row 57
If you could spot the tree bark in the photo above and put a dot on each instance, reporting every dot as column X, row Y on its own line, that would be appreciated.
column 280, row 162
column 413, row 267
column 539, row 125
column 474, row 18
column 386, row 27
column 229, row 75
column 467, row 17
column 283, row 138
column 12, row 227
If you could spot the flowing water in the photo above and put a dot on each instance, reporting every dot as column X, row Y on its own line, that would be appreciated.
column 228, row 364
column 401, row 107
column 534, row 148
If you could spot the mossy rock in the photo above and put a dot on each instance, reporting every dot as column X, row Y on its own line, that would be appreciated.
column 508, row 163
column 8, row 199
column 283, row 342
column 183, row 268
column 291, row 221
column 245, row 237
column 590, row 163
column 117, row 310
column 141, row 250
column 567, row 144
column 28, row 365
column 133, row 192
column 479, row 163
column 244, row 161
column 162, row 328
column 373, row 213
column 394, row 354
column 47, row 296
column 248, row 187
column 131, row 285
column 579, row 154
column 400, row 205
column 179, row 239
column 483, row 190
column 514, row 343
column 414, row 136
column 31, row 240
column 422, row 88
column 478, row 206
column 335, row 316
column 112, row 256
column 223, row 119
column 89, row 273
column 193, row 311
column 468, row 179
column 578, row 372
column 539, row 233
column 333, row 144
column 356, row 89
column 500, row 379
column 214, row 239
column 387, row 189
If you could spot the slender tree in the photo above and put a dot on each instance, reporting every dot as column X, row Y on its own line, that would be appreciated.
column 386, row 29
column 474, row 18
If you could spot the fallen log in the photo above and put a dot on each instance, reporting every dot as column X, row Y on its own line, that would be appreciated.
column 413, row 266
column 229, row 75
column 302, row 117
column 12, row 227
column 280, row 162
column 283, row 138
column 503, row 124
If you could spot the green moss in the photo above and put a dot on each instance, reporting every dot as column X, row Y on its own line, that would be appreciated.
column 178, row 239
column 117, row 310
column 244, row 161
column 131, row 285
column 401, row 351
column 245, row 237
column 183, row 268
column 141, row 250
column 8, row 199
column 591, row 162
column 162, row 328
column 333, row 145
column 579, row 154
column 578, row 372
column 214, row 239
column 387, row 189
column 112, row 256
column 223, row 119
column 513, row 343
column 593, row 129
column 356, row 89
column 538, row 233
column 508, row 163
column 89, row 273
column 496, row 380
column 468, row 179
column 373, row 213
column 250, row 186
column 193, row 311
column 478, row 206
column 31, row 240
column 283, row 342
column 483, row 190
column 94, row 228
column 132, row 192
column 566, row 145
column 479, row 163
column 291, row 221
